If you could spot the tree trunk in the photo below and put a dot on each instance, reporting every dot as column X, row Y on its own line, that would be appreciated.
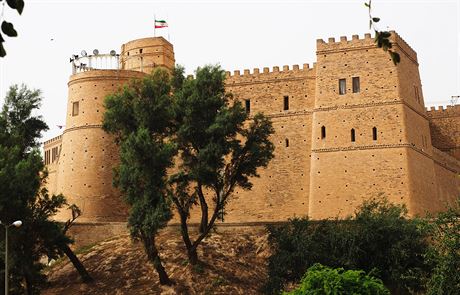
column 86, row 278
column 204, row 209
column 29, row 285
column 152, row 254
column 192, row 256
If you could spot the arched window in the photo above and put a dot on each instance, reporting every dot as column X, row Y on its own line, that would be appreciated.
column 374, row 133
column 353, row 135
column 323, row 132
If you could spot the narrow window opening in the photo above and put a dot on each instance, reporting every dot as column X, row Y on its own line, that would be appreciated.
column 75, row 108
column 342, row 86
column 287, row 142
column 374, row 133
column 353, row 135
column 323, row 132
column 355, row 84
column 417, row 96
column 286, row 103
column 140, row 50
column 247, row 103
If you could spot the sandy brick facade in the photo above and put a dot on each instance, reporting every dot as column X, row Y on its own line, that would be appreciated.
column 332, row 150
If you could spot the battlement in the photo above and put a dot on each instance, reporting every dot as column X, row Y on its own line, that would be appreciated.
column 52, row 141
column 356, row 42
column 266, row 74
column 440, row 112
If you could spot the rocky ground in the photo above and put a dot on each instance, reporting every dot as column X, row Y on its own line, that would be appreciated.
column 233, row 262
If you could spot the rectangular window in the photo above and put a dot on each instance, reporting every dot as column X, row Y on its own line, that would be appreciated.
column 417, row 96
column 355, row 84
column 286, row 103
column 75, row 107
column 247, row 103
column 342, row 86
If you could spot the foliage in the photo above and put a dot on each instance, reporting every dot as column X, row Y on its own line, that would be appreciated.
column 445, row 252
column 6, row 27
column 140, row 117
column 220, row 148
column 378, row 237
column 320, row 280
column 23, row 196
column 382, row 38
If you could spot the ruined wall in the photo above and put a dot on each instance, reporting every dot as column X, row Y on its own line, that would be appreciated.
column 445, row 129
column 88, row 154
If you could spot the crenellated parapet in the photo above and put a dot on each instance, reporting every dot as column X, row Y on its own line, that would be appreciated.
column 441, row 111
column 344, row 44
column 367, row 42
column 266, row 74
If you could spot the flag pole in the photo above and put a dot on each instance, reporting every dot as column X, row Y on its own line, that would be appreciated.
column 154, row 25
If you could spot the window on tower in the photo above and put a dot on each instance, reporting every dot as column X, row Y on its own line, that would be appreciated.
column 355, row 84
column 353, row 135
column 342, row 86
column 247, row 103
column 286, row 103
column 323, row 132
column 75, row 108
column 374, row 133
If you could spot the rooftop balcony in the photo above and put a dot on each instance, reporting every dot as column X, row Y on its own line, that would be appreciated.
column 96, row 61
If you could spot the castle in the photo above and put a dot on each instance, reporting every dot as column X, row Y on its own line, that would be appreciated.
column 351, row 127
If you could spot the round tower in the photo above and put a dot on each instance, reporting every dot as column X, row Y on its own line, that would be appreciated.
column 88, row 154
column 147, row 53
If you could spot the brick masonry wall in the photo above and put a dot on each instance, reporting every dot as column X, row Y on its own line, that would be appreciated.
column 321, row 177
column 445, row 129
column 88, row 154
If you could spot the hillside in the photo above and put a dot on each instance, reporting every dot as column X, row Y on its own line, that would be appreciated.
column 233, row 262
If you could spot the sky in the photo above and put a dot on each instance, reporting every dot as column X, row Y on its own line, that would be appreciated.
column 236, row 34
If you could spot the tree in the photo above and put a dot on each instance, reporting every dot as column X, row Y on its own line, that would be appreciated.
column 140, row 118
column 319, row 280
column 23, row 194
column 219, row 148
column 8, row 28
column 445, row 252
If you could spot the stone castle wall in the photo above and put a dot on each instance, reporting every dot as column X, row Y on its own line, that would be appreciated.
column 399, row 149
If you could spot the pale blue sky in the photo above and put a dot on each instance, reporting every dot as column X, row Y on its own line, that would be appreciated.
column 237, row 34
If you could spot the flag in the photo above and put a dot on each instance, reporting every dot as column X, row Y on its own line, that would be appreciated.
column 160, row 24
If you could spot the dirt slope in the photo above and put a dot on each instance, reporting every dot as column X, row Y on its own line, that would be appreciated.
column 233, row 262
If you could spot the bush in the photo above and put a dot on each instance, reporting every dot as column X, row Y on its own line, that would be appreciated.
column 320, row 280
column 379, row 237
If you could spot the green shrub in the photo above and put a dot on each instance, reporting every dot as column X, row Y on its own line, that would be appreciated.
column 379, row 237
column 319, row 280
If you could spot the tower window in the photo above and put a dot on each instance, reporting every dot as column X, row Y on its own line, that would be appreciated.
column 75, row 108
column 323, row 132
column 353, row 135
column 374, row 133
column 342, row 86
column 140, row 50
column 417, row 96
column 355, row 84
column 247, row 103
column 286, row 103
column 287, row 142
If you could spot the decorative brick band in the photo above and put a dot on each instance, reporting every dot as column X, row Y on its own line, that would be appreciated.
column 83, row 127
column 386, row 146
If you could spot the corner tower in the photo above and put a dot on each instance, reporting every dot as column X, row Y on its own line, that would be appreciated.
column 370, row 134
column 145, row 54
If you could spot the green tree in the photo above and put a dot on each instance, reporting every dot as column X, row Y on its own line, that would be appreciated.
column 445, row 252
column 23, row 195
column 140, row 117
column 322, row 280
column 6, row 27
column 219, row 148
